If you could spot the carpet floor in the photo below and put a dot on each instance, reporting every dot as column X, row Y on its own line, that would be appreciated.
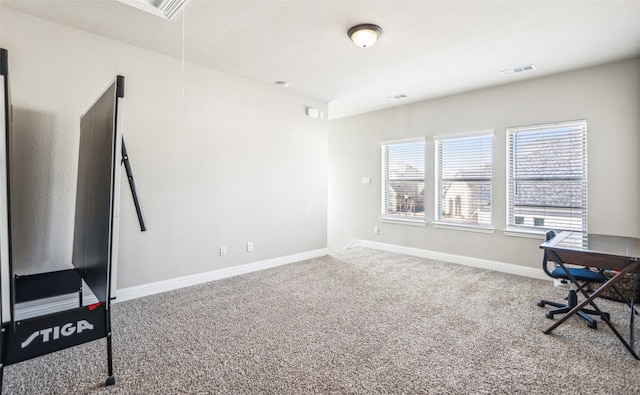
column 358, row 321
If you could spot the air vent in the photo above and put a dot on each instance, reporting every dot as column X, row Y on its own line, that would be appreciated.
column 519, row 70
column 162, row 8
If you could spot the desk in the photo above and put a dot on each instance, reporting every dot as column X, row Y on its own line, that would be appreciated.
column 618, row 253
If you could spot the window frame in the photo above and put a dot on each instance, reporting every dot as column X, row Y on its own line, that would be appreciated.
column 441, row 222
column 385, row 216
column 522, row 229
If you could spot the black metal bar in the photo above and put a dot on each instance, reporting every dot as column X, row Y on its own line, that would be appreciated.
column 4, row 61
column 631, row 321
column 120, row 86
column 111, row 380
column 132, row 185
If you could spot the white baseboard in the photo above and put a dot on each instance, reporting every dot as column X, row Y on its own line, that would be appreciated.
column 200, row 278
column 139, row 291
column 459, row 259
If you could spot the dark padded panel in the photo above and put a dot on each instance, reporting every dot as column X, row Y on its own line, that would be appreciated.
column 92, row 231
column 6, row 309
column 47, row 285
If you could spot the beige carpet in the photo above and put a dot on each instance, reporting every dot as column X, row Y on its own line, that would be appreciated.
column 359, row 321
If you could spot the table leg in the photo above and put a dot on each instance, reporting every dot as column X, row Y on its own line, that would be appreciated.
column 629, row 268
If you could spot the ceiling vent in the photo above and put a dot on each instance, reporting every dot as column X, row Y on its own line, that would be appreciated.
column 162, row 8
column 519, row 70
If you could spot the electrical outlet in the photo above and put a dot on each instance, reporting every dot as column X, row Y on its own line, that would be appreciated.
column 223, row 251
column 249, row 246
column 376, row 230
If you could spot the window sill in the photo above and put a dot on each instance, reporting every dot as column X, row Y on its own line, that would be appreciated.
column 523, row 232
column 403, row 221
column 463, row 227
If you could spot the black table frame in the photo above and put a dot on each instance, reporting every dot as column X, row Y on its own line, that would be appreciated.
column 623, row 264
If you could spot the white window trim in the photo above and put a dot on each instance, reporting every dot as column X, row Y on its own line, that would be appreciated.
column 464, row 227
column 404, row 141
column 483, row 132
column 403, row 221
column 397, row 219
column 438, row 224
column 529, row 232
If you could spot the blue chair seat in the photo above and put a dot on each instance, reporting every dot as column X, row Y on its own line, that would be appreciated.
column 580, row 274
column 582, row 277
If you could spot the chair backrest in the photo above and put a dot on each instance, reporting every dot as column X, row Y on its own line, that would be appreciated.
column 548, row 236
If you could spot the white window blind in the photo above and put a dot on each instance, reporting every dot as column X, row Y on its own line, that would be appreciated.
column 403, row 168
column 547, row 176
column 463, row 179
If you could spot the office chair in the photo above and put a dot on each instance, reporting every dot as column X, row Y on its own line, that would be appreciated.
column 583, row 276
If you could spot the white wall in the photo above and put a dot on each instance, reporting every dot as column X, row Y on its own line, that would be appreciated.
column 231, row 161
column 608, row 97
column 227, row 162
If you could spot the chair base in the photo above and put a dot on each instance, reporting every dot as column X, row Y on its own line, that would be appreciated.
column 572, row 301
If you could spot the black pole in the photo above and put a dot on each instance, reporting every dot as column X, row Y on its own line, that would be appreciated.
column 132, row 185
column 111, row 379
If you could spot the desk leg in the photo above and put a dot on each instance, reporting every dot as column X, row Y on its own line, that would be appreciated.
column 595, row 294
column 575, row 283
column 568, row 273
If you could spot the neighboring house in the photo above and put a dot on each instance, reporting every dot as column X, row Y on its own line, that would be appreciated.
column 466, row 198
column 408, row 184
column 550, row 183
column 548, row 190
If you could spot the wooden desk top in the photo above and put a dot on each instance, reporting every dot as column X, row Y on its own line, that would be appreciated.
column 600, row 251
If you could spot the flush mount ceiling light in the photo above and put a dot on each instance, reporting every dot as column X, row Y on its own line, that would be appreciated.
column 162, row 8
column 364, row 35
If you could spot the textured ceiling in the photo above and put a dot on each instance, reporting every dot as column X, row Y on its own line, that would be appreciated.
column 428, row 49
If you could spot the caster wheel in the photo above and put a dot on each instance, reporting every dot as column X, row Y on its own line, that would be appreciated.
column 110, row 381
column 549, row 315
column 540, row 304
column 593, row 325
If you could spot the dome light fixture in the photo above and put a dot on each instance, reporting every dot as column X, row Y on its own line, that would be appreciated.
column 365, row 35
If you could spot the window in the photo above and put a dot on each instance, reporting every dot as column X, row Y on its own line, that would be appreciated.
column 547, row 176
column 463, row 179
column 403, row 168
